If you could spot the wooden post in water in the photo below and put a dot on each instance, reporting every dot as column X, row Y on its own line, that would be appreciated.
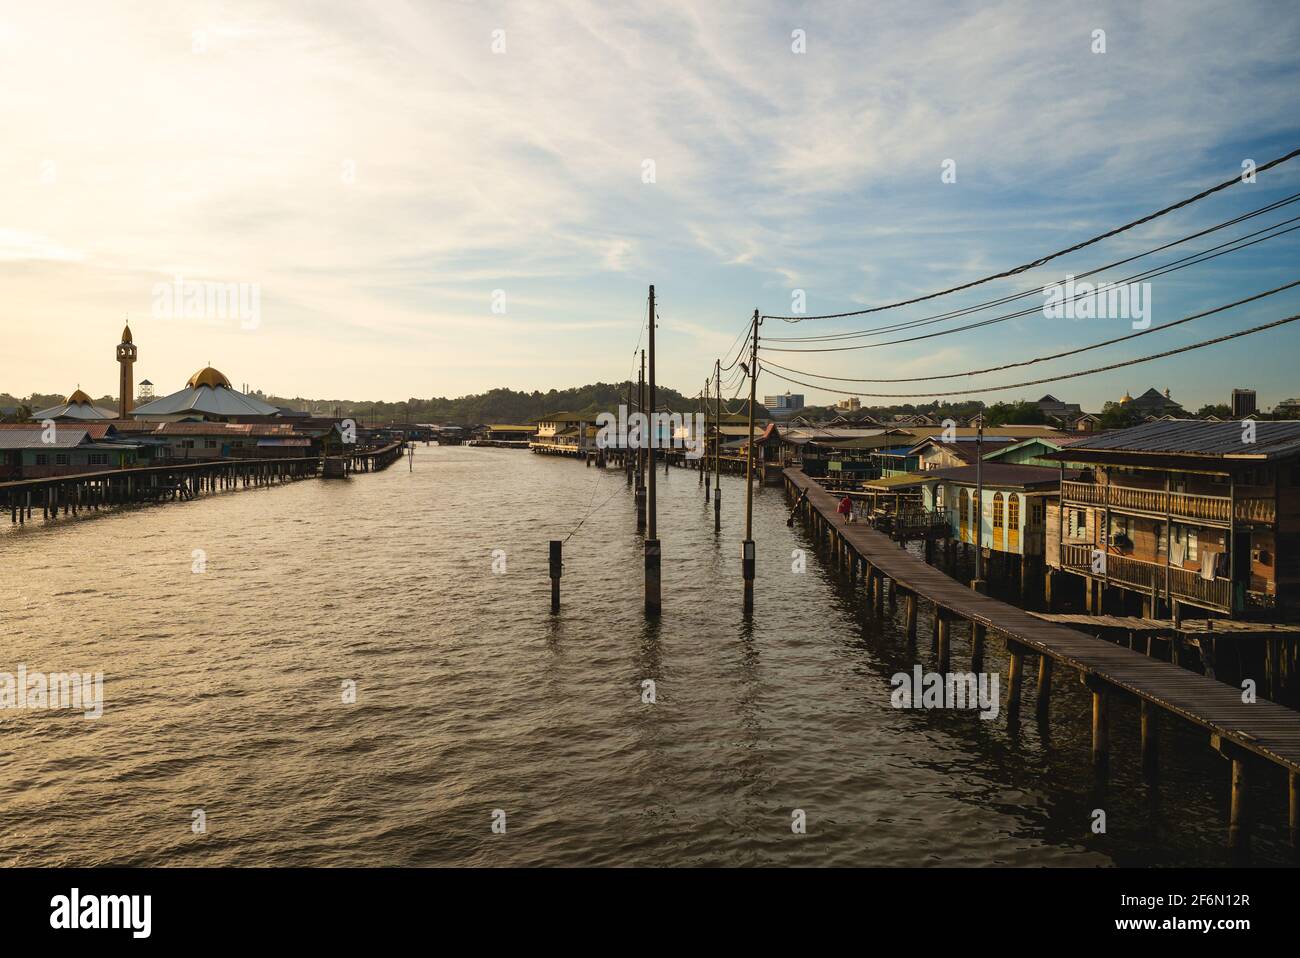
column 945, row 632
column 909, row 614
column 1239, row 821
column 1015, row 676
column 557, row 569
column 1100, row 719
column 1043, row 701
column 977, row 635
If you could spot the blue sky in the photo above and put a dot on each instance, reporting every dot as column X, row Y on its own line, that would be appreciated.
column 379, row 173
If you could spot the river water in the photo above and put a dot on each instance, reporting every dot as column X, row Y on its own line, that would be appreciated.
column 224, row 694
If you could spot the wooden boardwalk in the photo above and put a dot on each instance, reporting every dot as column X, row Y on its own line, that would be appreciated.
column 1237, row 729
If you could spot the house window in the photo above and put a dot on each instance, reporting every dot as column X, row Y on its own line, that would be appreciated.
column 98, row 459
column 209, row 444
column 1185, row 537
column 42, row 459
column 60, row 458
column 1076, row 525
column 187, row 443
column 1159, row 533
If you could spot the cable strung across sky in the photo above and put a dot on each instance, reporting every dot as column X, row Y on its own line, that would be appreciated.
column 1051, row 256
column 1192, row 259
column 1037, row 290
column 1052, row 379
column 1043, row 359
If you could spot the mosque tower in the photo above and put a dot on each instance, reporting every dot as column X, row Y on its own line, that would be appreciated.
column 126, row 353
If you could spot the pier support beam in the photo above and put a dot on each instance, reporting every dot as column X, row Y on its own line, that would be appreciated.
column 1043, row 701
column 977, row 636
column 1015, row 677
column 945, row 639
column 909, row 616
column 1100, row 719
column 1238, row 810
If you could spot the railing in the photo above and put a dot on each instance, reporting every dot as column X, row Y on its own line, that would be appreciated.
column 1184, row 584
column 1181, row 505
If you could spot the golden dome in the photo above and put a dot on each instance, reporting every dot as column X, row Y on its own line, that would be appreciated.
column 207, row 376
column 1127, row 398
column 78, row 397
column 126, row 333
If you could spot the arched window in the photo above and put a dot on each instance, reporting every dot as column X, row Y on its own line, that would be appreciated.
column 998, row 542
column 963, row 508
column 1013, row 522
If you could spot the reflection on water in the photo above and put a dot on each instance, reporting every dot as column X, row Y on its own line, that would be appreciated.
column 223, row 693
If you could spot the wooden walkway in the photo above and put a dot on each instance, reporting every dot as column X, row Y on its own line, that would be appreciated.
column 1264, row 729
column 1217, row 627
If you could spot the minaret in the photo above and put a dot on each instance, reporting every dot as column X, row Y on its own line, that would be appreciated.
column 126, row 383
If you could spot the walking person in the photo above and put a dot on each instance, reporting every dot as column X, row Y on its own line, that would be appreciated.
column 846, row 509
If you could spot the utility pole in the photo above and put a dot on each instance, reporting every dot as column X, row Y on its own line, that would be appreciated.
column 627, row 459
column 717, row 443
column 640, row 451
column 747, row 547
column 702, row 406
column 979, row 585
column 652, row 554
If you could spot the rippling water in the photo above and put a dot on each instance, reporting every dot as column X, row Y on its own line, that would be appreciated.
column 223, row 693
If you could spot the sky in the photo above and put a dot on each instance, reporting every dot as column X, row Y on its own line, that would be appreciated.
column 439, row 198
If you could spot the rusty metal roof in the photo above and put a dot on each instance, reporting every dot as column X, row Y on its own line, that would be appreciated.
column 1196, row 437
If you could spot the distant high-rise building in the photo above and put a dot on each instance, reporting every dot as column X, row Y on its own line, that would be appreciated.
column 1243, row 403
column 852, row 404
column 786, row 403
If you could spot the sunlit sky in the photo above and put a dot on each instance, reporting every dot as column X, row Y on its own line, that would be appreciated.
column 377, row 171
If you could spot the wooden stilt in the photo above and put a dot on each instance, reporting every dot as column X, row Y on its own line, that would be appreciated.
column 1043, row 701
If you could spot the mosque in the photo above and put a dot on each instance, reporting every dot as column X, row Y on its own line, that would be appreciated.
column 207, row 396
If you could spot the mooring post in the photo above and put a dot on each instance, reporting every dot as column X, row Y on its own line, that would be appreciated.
column 909, row 614
column 557, row 569
column 747, row 570
column 945, row 631
column 652, row 594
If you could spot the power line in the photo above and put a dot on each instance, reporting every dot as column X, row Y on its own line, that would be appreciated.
column 1053, row 379
column 1051, row 256
column 1043, row 359
column 1003, row 300
column 1192, row 259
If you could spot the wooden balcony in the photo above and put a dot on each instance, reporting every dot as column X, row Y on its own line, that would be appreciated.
column 1183, row 506
column 1147, row 577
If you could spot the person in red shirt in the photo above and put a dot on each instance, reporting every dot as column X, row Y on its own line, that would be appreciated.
column 846, row 509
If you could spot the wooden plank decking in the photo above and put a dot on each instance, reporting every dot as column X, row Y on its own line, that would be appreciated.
column 1264, row 728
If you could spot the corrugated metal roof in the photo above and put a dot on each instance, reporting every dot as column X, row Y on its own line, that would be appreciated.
column 34, row 438
column 1003, row 474
column 1196, row 437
